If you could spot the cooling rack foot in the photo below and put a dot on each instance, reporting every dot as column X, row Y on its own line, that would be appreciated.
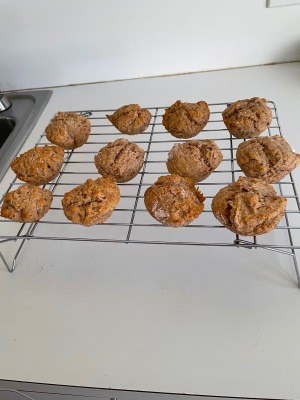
column 11, row 266
column 251, row 245
column 296, row 269
column 8, row 267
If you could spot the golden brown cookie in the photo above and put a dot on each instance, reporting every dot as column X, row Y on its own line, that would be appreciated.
column 186, row 120
column 68, row 130
column 270, row 158
column 130, row 119
column 174, row 201
column 249, row 207
column 247, row 118
column 120, row 159
column 195, row 159
column 39, row 165
column 92, row 202
column 26, row 204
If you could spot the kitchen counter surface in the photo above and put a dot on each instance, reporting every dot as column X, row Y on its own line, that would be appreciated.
column 206, row 321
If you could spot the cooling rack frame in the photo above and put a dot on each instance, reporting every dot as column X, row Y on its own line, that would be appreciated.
column 156, row 142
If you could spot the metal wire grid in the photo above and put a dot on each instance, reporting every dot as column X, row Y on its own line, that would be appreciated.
column 130, row 222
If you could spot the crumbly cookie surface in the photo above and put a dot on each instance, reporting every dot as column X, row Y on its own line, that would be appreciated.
column 120, row 159
column 195, row 159
column 26, row 204
column 174, row 201
column 130, row 119
column 92, row 202
column 247, row 118
column 249, row 207
column 186, row 120
column 39, row 165
column 270, row 158
column 68, row 130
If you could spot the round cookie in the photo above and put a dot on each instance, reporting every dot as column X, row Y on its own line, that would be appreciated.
column 39, row 165
column 120, row 159
column 195, row 159
column 249, row 207
column 92, row 202
column 186, row 120
column 130, row 119
column 247, row 118
column 68, row 130
column 26, row 204
column 174, row 201
column 270, row 158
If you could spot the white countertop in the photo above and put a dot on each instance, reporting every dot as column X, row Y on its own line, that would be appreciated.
column 207, row 321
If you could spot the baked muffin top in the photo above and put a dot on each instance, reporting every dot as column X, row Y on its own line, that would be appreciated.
column 186, row 120
column 26, row 204
column 68, row 130
column 130, row 119
column 174, row 201
column 247, row 118
column 249, row 206
column 195, row 159
column 92, row 202
column 270, row 158
column 39, row 165
column 120, row 159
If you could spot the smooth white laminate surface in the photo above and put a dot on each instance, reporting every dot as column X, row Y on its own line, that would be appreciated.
column 207, row 321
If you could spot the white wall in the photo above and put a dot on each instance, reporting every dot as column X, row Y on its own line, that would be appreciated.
column 59, row 42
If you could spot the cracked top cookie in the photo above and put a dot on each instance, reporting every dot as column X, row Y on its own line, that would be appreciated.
column 249, row 207
column 26, row 204
column 120, row 159
column 270, row 158
column 195, row 159
column 92, row 202
column 186, row 120
column 174, row 201
column 68, row 130
column 130, row 119
column 247, row 118
column 39, row 165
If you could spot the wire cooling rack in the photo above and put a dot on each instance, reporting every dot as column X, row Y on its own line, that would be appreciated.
column 130, row 222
